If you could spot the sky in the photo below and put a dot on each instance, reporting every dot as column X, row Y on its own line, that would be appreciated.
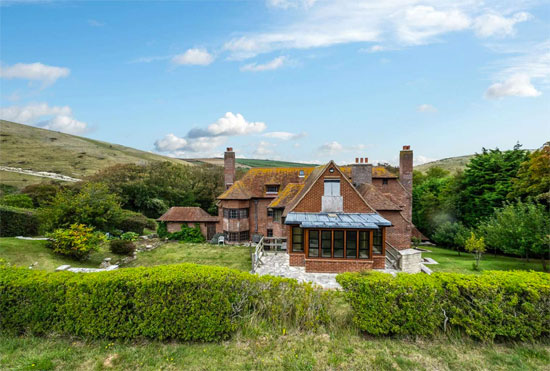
column 297, row 80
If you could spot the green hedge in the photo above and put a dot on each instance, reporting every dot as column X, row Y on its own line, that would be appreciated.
column 186, row 302
column 492, row 305
column 18, row 222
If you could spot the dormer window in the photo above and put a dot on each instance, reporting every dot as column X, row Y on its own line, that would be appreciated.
column 272, row 189
column 301, row 174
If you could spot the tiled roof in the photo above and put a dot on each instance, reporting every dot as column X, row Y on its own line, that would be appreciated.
column 286, row 195
column 382, row 172
column 377, row 199
column 337, row 220
column 187, row 214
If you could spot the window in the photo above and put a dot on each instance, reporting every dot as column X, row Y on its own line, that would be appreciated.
column 384, row 181
column 301, row 174
column 338, row 244
column 270, row 233
column 235, row 213
column 364, row 241
column 351, row 244
column 297, row 239
column 377, row 241
column 332, row 187
column 326, row 244
column 277, row 215
column 313, row 244
column 270, row 213
column 272, row 189
column 244, row 236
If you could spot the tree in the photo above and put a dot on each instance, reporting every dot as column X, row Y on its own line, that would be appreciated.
column 451, row 234
column 92, row 205
column 41, row 193
column 521, row 229
column 533, row 178
column 477, row 246
column 486, row 183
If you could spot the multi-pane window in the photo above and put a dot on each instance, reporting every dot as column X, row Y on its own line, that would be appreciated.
column 270, row 233
column 301, row 174
column 332, row 187
column 242, row 236
column 297, row 239
column 270, row 212
column 277, row 215
column 313, row 244
column 364, row 241
column 377, row 241
column 235, row 213
column 338, row 244
column 272, row 189
column 326, row 244
column 351, row 244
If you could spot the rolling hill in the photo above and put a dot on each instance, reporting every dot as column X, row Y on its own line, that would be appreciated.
column 32, row 148
column 247, row 163
column 451, row 164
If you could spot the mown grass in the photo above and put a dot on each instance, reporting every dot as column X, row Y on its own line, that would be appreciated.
column 237, row 257
column 450, row 261
column 342, row 350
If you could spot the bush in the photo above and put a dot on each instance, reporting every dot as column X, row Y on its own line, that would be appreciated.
column 78, row 241
column 129, row 236
column 187, row 234
column 41, row 194
column 185, row 302
column 122, row 247
column 496, row 304
column 17, row 200
column 18, row 222
column 449, row 234
column 133, row 222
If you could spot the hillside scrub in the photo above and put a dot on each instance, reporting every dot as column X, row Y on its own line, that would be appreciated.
column 18, row 222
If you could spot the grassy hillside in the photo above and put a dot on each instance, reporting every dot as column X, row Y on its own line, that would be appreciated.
column 249, row 162
column 36, row 149
column 451, row 164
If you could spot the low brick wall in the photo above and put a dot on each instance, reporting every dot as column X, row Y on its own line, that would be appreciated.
column 297, row 260
column 337, row 266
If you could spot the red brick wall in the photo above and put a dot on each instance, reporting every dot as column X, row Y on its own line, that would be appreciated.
column 400, row 234
column 297, row 260
column 353, row 203
column 337, row 266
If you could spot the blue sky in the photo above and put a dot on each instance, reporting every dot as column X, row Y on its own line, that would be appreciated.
column 302, row 80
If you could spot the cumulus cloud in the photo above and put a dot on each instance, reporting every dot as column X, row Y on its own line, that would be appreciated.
column 271, row 65
column 427, row 108
column 170, row 143
column 284, row 135
column 198, row 57
column 419, row 159
column 229, row 125
column 285, row 4
column 493, row 24
column 62, row 119
column 331, row 148
column 34, row 71
column 515, row 86
column 264, row 149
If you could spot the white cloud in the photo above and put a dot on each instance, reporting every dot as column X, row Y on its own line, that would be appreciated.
column 28, row 114
column 264, row 149
column 34, row 71
column 428, row 108
column 229, row 125
column 284, row 135
column 65, row 124
column 62, row 119
column 331, row 148
column 493, row 24
column 285, row 4
column 271, row 65
column 170, row 143
column 515, row 86
column 199, row 57
column 419, row 160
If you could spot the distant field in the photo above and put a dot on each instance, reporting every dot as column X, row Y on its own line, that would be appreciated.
column 248, row 162
column 452, row 164
column 36, row 149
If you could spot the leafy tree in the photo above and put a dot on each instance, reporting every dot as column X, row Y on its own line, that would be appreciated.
column 486, row 183
column 17, row 200
column 475, row 245
column 521, row 229
column 41, row 193
column 533, row 177
column 451, row 234
column 92, row 205
column 78, row 241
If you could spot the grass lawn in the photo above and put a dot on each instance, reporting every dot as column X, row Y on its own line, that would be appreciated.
column 293, row 351
column 449, row 261
column 237, row 257
column 23, row 253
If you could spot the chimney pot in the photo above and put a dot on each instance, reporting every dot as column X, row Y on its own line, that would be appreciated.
column 366, row 160
column 406, row 148
column 361, row 160
column 357, row 160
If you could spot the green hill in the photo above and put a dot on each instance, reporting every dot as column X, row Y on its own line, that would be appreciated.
column 451, row 164
column 32, row 148
column 249, row 162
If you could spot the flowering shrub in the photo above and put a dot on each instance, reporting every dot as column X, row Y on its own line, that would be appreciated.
column 78, row 241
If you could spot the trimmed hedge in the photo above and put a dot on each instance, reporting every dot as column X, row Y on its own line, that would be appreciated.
column 133, row 222
column 186, row 302
column 18, row 222
column 492, row 305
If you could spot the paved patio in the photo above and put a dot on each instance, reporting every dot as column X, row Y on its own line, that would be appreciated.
column 276, row 264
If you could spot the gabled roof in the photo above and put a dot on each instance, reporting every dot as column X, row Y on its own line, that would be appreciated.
column 286, row 195
column 377, row 199
column 382, row 172
column 252, row 184
column 187, row 214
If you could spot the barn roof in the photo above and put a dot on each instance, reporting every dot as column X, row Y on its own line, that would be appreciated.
column 187, row 214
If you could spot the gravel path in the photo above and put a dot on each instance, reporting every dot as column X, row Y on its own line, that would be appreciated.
column 43, row 174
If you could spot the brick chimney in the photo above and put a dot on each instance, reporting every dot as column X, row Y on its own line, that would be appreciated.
column 406, row 175
column 229, row 167
column 361, row 171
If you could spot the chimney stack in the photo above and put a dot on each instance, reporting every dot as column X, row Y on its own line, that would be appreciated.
column 229, row 167
column 361, row 171
column 406, row 175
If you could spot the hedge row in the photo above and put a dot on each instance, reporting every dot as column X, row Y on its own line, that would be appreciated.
column 492, row 305
column 186, row 302
column 18, row 222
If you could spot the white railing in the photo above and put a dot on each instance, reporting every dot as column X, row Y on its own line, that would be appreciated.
column 275, row 243
column 257, row 255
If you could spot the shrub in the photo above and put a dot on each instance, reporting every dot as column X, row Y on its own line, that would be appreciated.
column 449, row 234
column 78, row 241
column 187, row 234
column 133, row 222
column 18, row 222
column 512, row 305
column 41, row 194
column 129, row 236
column 17, row 200
column 185, row 302
column 122, row 247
